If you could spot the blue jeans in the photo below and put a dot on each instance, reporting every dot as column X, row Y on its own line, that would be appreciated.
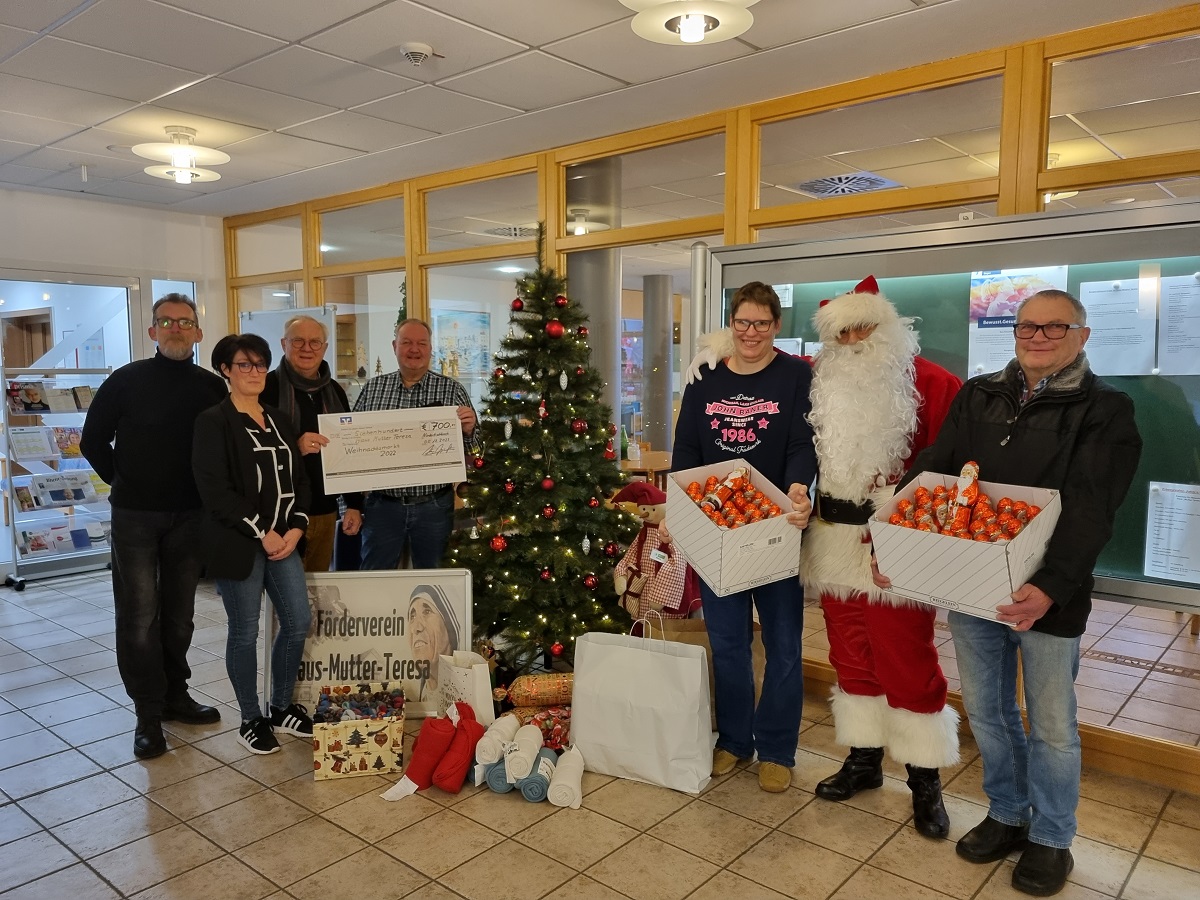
column 1032, row 779
column 424, row 527
column 773, row 729
column 283, row 581
column 155, row 566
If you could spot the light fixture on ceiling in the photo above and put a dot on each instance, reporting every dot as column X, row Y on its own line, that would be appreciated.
column 508, row 270
column 184, row 157
column 690, row 21
column 581, row 224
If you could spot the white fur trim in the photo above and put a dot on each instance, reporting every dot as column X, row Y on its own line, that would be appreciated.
column 858, row 721
column 834, row 562
column 711, row 349
column 850, row 311
column 927, row 740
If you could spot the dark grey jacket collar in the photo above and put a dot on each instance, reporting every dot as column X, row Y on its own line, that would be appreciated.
column 1065, row 381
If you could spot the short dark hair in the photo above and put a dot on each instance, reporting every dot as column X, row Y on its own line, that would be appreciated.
column 227, row 348
column 420, row 322
column 756, row 292
column 175, row 298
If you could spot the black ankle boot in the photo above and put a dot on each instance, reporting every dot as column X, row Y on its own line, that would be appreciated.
column 862, row 770
column 929, row 813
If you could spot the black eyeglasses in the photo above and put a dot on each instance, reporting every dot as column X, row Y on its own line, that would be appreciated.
column 247, row 367
column 301, row 343
column 167, row 322
column 1056, row 331
column 762, row 326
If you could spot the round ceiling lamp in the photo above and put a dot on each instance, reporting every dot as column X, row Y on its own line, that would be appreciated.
column 184, row 158
column 690, row 21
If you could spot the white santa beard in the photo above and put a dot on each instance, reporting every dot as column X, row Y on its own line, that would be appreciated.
column 864, row 411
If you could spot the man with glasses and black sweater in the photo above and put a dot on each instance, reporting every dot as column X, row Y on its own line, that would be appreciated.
column 149, row 408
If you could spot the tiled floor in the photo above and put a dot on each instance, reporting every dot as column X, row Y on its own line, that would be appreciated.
column 79, row 817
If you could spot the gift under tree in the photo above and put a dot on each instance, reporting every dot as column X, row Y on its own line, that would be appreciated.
column 544, row 544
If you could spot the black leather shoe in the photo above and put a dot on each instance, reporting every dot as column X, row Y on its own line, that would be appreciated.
column 991, row 840
column 929, row 812
column 185, row 709
column 862, row 771
column 1042, row 870
column 148, row 740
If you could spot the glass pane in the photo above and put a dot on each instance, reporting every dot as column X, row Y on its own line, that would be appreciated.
column 811, row 231
column 366, row 311
column 482, row 214
column 1123, row 195
column 359, row 233
column 284, row 295
column 67, row 326
column 930, row 137
column 677, row 181
column 269, row 247
column 470, row 307
column 1128, row 103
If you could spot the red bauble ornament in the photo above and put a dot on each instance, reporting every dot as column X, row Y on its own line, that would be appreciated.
column 554, row 328
column 509, row 486
column 612, row 429
column 612, row 549
column 556, row 649
column 499, row 373
column 499, row 543
column 542, row 410
column 478, row 462
column 580, row 371
column 548, row 511
column 593, row 502
column 560, row 301
column 582, row 331
column 590, row 581
column 547, row 483
column 518, row 305
column 546, row 574
column 609, row 452
column 579, row 426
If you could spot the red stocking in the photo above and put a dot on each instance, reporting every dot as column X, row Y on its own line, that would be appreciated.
column 431, row 745
column 452, row 770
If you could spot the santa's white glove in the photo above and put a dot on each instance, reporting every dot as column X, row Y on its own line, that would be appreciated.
column 714, row 347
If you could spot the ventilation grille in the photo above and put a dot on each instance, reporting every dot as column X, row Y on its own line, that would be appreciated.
column 840, row 185
column 516, row 232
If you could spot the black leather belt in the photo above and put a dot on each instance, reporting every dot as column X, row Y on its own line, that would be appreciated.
column 843, row 512
column 411, row 501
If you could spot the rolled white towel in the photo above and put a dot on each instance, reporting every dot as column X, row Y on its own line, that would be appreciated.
column 490, row 748
column 566, row 788
column 519, row 760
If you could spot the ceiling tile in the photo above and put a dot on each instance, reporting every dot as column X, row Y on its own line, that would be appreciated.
column 164, row 194
column 1080, row 151
column 532, row 81
column 615, row 50
column 148, row 123
column 799, row 171
column 18, row 174
column 909, row 153
column 435, row 109
column 1125, row 76
column 1167, row 111
column 91, row 69
column 946, row 170
column 286, row 19
column 35, row 16
column 376, row 37
column 36, row 98
column 70, row 160
column 310, row 75
column 288, row 150
column 776, row 24
column 710, row 187
column 227, row 100
column 12, row 38
column 72, row 180
column 1162, row 139
column 536, row 22
column 682, row 208
column 166, row 35
column 366, row 133
column 16, row 127
column 10, row 150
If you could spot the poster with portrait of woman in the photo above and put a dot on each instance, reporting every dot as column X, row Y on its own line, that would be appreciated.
column 384, row 626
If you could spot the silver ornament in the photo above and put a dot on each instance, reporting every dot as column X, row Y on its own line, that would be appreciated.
column 587, row 545
column 474, row 533
column 508, row 431
column 562, row 380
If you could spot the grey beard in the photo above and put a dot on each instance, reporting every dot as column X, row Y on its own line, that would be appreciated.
column 178, row 354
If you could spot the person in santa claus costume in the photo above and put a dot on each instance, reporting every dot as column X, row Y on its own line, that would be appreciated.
column 875, row 404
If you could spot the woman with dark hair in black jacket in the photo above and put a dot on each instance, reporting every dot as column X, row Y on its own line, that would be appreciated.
column 255, row 494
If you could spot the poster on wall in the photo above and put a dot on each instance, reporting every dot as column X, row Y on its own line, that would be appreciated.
column 995, row 297
column 461, row 343
column 1179, row 326
column 1173, row 532
column 385, row 626
column 1121, row 315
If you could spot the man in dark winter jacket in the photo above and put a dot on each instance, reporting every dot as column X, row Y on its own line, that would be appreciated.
column 1044, row 421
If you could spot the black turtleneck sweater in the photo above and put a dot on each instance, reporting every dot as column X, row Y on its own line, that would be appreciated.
column 149, row 407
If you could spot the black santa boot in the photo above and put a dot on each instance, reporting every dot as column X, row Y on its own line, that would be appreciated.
column 862, row 771
column 929, row 813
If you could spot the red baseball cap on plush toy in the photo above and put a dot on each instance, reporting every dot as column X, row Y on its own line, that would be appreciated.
column 643, row 493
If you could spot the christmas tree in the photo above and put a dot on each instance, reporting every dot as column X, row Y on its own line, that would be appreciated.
column 545, row 542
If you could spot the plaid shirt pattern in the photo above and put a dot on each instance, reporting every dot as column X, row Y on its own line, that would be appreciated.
column 388, row 392
column 1026, row 394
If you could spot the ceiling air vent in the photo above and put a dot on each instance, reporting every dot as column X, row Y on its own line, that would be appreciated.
column 515, row 232
column 840, row 185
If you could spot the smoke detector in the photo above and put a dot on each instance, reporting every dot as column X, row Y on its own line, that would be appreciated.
column 416, row 52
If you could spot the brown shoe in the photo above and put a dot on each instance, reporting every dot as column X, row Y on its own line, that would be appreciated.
column 774, row 778
column 723, row 762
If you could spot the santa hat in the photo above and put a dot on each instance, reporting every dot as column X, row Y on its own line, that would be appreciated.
column 643, row 493
column 863, row 305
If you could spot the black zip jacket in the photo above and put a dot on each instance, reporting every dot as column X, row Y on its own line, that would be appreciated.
column 1078, row 437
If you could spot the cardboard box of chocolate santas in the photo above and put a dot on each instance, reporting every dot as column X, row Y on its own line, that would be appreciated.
column 358, row 730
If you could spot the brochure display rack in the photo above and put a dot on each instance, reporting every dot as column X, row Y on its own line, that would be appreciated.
column 56, row 507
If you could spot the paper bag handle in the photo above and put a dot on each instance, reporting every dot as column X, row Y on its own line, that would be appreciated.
column 648, row 630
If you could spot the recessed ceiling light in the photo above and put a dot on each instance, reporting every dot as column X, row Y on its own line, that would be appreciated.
column 509, row 270
column 1121, row 201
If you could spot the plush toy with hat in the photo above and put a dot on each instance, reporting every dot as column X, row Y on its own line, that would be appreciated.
column 652, row 576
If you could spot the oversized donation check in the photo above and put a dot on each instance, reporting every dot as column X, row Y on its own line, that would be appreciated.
column 391, row 448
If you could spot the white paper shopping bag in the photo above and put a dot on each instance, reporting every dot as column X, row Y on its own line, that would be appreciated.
column 466, row 676
column 640, row 710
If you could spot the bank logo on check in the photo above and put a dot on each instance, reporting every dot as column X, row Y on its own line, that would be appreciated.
column 345, row 420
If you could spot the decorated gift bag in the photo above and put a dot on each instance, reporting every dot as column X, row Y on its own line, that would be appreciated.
column 640, row 710
column 358, row 730
column 466, row 676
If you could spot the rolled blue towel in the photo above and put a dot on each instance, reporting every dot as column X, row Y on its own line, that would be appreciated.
column 497, row 778
column 536, row 785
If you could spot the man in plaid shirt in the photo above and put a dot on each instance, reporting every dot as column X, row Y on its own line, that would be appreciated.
column 420, row 516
